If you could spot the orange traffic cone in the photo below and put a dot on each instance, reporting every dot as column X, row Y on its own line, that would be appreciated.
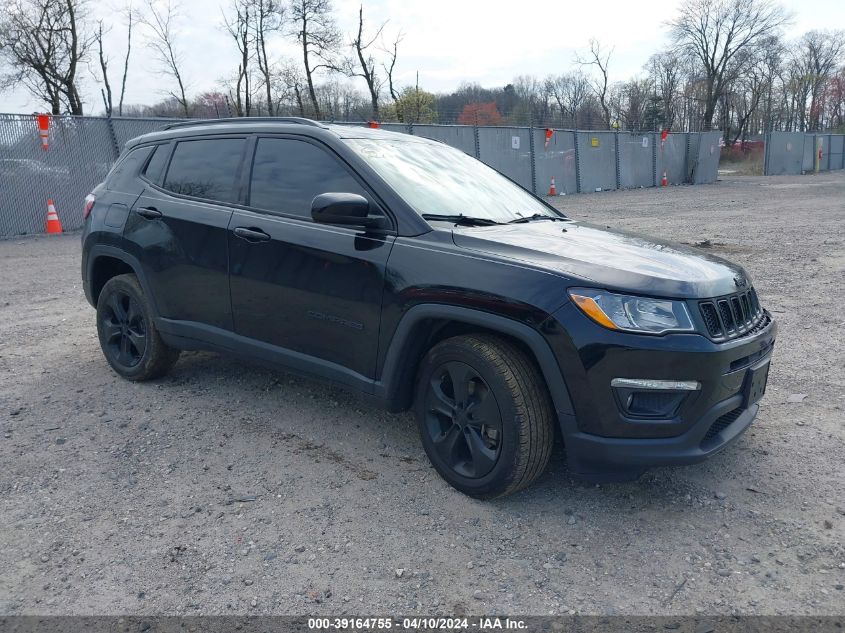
column 53, row 223
column 664, row 181
column 552, row 188
column 44, row 131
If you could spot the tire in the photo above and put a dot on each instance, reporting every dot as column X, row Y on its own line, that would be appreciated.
column 128, row 337
column 477, row 453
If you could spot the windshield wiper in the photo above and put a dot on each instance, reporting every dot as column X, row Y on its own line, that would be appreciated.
column 466, row 220
column 538, row 216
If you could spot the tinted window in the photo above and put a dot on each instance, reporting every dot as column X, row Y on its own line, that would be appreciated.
column 288, row 174
column 156, row 163
column 126, row 169
column 205, row 169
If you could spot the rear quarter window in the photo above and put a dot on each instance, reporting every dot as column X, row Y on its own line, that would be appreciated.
column 156, row 163
column 206, row 168
column 123, row 177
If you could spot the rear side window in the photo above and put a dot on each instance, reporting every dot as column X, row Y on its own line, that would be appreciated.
column 152, row 172
column 287, row 174
column 205, row 168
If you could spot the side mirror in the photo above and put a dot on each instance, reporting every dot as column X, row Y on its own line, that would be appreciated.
column 348, row 209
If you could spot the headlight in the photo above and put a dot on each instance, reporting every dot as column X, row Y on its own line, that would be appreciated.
column 634, row 314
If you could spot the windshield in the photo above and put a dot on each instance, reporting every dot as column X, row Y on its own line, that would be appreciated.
column 440, row 180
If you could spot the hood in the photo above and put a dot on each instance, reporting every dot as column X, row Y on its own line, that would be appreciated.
column 606, row 258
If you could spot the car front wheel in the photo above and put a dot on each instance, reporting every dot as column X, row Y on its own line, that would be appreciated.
column 484, row 415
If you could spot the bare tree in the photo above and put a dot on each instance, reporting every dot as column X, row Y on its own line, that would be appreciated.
column 771, row 61
column 532, row 99
column 601, row 60
column 104, row 68
column 665, row 71
column 317, row 34
column 836, row 99
column 290, row 82
column 43, row 42
column 130, row 13
column 238, row 26
column 629, row 101
column 339, row 99
column 103, row 59
column 160, row 20
column 821, row 53
column 389, row 68
column 569, row 92
column 268, row 17
column 716, row 32
column 367, row 69
column 743, row 96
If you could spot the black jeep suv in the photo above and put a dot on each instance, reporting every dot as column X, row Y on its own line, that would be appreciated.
column 408, row 271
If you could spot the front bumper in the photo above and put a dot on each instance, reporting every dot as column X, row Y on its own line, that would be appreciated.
column 605, row 444
column 598, row 459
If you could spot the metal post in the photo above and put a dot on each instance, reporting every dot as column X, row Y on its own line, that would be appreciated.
column 577, row 163
column 829, row 146
column 533, row 158
column 616, row 160
column 767, row 142
column 477, row 144
column 655, row 136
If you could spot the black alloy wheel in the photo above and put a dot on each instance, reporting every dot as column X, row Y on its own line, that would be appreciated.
column 463, row 420
column 484, row 414
column 124, row 330
column 128, row 336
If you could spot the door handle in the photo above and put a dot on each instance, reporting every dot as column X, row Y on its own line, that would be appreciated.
column 251, row 235
column 151, row 213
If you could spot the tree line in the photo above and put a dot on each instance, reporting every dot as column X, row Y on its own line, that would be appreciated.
column 731, row 65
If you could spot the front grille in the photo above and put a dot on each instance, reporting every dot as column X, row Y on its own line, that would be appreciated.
column 727, row 316
column 733, row 316
column 711, row 319
column 746, row 304
column 720, row 425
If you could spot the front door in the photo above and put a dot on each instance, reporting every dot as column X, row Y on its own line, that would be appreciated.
column 312, row 289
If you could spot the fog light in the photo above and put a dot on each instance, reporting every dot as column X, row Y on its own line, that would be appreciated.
column 647, row 398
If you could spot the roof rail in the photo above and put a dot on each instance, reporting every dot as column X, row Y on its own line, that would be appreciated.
column 253, row 119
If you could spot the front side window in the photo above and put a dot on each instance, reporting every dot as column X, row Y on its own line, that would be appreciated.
column 288, row 174
column 205, row 168
column 439, row 180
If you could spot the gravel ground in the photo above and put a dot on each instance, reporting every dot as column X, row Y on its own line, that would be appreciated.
column 230, row 488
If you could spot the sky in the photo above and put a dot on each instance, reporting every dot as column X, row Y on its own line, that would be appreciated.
column 447, row 41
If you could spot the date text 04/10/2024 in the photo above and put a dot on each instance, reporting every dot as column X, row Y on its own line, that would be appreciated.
column 418, row 623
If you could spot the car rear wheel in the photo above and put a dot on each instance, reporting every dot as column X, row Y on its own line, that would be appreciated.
column 484, row 415
column 128, row 337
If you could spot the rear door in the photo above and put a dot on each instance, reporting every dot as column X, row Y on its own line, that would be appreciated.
column 307, row 287
column 179, row 227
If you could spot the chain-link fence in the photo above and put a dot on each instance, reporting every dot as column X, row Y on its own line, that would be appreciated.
column 803, row 152
column 80, row 153
column 82, row 150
